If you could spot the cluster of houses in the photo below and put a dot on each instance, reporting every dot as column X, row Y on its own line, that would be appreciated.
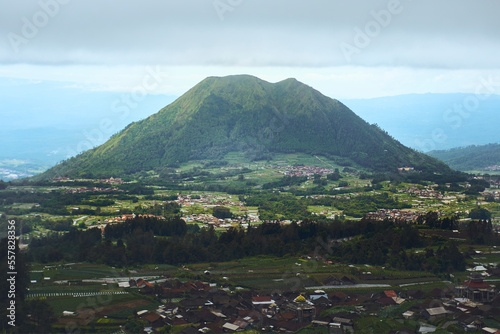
column 308, row 171
column 203, row 307
column 210, row 220
column 206, row 219
column 492, row 168
column 406, row 169
column 124, row 218
column 210, row 201
column 87, row 190
column 111, row 180
column 393, row 214
column 427, row 192
column 61, row 179
column 205, row 200
column 495, row 195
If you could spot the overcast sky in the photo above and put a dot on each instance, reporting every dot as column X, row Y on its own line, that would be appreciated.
column 355, row 49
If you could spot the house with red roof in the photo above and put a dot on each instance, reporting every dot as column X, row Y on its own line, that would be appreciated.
column 476, row 290
column 154, row 319
column 141, row 283
column 390, row 294
column 262, row 300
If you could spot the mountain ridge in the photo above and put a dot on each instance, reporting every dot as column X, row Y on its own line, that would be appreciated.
column 430, row 121
column 471, row 157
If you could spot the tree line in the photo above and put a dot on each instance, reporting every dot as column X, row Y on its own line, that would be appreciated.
column 172, row 241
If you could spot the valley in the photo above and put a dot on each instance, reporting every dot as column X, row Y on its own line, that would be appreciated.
column 142, row 250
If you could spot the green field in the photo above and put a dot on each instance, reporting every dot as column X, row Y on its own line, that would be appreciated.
column 381, row 325
column 74, row 304
column 79, row 271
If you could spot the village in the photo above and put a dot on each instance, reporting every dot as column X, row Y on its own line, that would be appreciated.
column 308, row 171
column 393, row 214
column 211, row 201
column 201, row 307
column 92, row 190
column 254, row 294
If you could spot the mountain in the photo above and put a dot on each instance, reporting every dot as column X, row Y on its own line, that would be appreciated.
column 471, row 157
column 245, row 114
column 429, row 122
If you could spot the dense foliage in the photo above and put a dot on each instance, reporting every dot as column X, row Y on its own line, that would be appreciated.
column 152, row 240
column 285, row 181
column 480, row 213
column 275, row 206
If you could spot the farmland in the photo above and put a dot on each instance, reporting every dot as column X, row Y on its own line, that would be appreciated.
column 290, row 226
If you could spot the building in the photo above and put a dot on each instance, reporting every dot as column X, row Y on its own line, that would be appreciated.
column 435, row 313
column 476, row 290
column 301, row 309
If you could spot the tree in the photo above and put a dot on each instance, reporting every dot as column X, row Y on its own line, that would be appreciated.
column 343, row 184
column 480, row 231
column 135, row 325
column 222, row 212
column 431, row 218
column 334, row 176
column 480, row 213
column 41, row 315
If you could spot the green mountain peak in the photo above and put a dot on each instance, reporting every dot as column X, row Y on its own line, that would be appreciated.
column 245, row 114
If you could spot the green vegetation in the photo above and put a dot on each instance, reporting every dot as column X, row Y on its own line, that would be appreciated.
column 376, row 325
column 358, row 206
column 374, row 243
column 278, row 206
column 280, row 233
column 471, row 157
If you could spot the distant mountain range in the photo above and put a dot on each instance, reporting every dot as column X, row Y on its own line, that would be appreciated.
column 245, row 114
column 471, row 158
column 429, row 122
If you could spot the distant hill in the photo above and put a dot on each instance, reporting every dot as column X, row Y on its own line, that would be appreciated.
column 471, row 157
column 245, row 114
column 429, row 122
